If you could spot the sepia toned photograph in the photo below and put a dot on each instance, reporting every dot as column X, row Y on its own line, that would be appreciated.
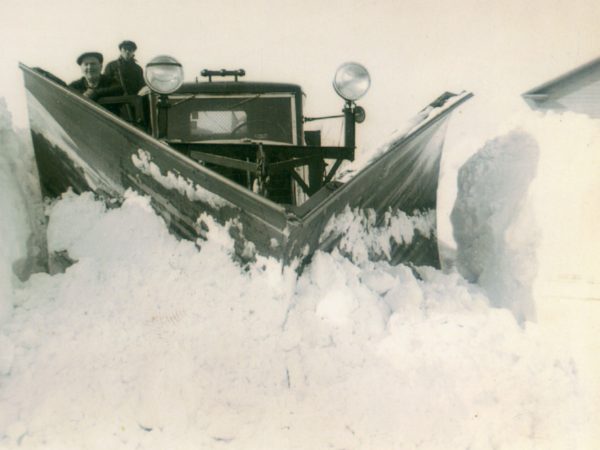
column 300, row 225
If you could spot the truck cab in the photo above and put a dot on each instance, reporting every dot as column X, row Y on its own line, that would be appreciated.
column 250, row 132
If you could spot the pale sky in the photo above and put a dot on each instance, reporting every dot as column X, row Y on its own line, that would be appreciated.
column 414, row 49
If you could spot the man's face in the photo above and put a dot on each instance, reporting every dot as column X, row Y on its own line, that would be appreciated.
column 91, row 67
column 127, row 53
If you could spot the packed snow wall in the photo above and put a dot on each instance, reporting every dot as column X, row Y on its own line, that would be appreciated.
column 526, row 214
column 22, row 241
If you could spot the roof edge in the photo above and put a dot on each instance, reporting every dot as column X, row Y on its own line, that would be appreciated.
column 535, row 92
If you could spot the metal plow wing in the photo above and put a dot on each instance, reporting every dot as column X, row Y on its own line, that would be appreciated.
column 395, row 191
column 79, row 144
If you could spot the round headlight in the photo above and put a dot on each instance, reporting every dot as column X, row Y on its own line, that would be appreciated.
column 164, row 74
column 351, row 81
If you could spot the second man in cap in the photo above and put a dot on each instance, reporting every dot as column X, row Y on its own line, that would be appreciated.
column 125, row 70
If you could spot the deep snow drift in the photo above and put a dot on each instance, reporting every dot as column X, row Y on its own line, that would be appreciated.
column 148, row 342
column 526, row 214
column 21, row 218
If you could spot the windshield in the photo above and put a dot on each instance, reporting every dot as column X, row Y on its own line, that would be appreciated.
column 259, row 117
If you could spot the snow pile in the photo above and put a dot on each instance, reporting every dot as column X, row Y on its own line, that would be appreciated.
column 526, row 213
column 566, row 196
column 493, row 227
column 20, row 206
column 146, row 342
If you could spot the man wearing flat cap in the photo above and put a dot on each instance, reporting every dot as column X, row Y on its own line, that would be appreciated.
column 93, row 84
column 125, row 70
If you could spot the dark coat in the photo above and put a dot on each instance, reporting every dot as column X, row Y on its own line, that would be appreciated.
column 107, row 87
column 128, row 74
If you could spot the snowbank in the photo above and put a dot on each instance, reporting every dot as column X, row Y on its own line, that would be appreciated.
column 495, row 231
column 566, row 198
column 526, row 213
column 21, row 245
column 147, row 342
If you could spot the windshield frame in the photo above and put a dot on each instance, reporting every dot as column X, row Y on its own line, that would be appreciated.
column 245, row 98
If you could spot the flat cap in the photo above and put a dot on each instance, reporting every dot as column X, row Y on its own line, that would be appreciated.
column 93, row 54
column 128, row 44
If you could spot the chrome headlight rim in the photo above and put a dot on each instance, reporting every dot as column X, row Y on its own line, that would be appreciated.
column 164, row 74
column 351, row 81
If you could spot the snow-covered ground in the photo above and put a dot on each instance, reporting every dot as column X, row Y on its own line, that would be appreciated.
column 147, row 342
